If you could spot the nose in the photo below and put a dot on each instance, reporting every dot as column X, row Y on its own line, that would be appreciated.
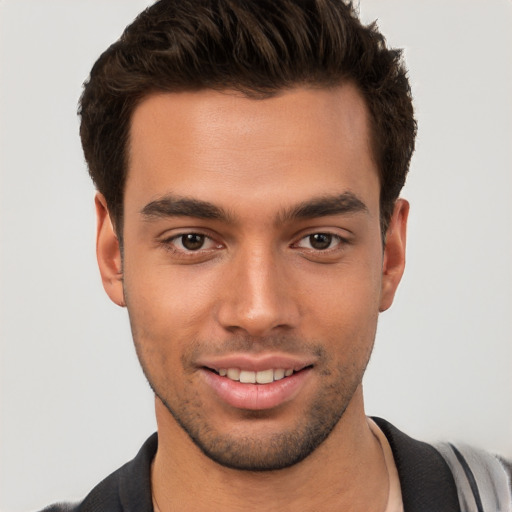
column 259, row 297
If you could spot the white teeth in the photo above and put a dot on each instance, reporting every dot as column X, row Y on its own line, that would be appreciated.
column 265, row 376
column 247, row 377
column 278, row 374
column 233, row 373
column 250, row 377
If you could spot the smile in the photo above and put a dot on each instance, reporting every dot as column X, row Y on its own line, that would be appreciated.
column 256, row 389
column 253, row 377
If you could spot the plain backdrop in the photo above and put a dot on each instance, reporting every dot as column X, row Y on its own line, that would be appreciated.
column 74, row 404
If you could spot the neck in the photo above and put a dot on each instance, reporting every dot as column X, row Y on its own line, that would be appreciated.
column 347, row 471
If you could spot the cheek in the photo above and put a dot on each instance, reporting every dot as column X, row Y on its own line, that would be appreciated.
column 351, row 318
column 162, row 326
column 347, row 291
column 343, row 307
column 164, row 301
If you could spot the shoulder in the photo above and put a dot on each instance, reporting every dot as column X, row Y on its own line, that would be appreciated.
column 130, row 484
column 507, row 465
column 447, row 475
column 482, row 479
column 61, row 507
column 425, row 479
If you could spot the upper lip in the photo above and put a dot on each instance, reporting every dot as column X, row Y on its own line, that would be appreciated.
column 256, row 363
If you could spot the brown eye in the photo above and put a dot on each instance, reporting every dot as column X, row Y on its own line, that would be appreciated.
column 192, row 241
column 320, row 241
column 194, row 246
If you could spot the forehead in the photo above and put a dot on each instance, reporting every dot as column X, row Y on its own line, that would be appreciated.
column 209, row 143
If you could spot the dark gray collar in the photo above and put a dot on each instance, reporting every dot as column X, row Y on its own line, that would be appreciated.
column 426, row 481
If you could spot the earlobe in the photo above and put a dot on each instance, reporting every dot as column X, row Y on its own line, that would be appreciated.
column 108, row 253
column 394, row 253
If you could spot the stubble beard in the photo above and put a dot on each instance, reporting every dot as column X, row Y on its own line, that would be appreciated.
column 271, row 451
column 262, row 453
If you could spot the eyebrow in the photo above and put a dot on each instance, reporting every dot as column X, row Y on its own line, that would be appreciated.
column 176, row 206
column 323, row 206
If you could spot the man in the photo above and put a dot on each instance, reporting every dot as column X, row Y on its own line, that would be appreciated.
column 248, row 159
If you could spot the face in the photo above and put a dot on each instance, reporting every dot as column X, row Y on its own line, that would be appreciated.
column 253, row 267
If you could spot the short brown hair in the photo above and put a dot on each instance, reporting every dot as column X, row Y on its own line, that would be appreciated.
column 257, row 47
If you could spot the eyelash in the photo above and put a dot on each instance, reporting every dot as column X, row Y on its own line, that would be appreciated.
column 340, row 241
column 169, row 244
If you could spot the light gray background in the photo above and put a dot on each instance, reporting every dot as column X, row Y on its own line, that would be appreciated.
column 74, row 404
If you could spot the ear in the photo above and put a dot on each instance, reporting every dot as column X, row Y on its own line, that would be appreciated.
column 394, row 253
column 108, row 253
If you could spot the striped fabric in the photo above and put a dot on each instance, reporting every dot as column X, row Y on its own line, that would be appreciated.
column 483, row 484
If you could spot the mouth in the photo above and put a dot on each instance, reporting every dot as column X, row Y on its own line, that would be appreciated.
column 255, row 377
column 258, row 389
column 257, row 381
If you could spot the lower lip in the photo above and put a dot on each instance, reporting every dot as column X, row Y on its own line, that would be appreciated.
column 256, row 397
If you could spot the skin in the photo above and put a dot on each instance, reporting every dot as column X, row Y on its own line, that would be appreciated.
column 258, row 287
